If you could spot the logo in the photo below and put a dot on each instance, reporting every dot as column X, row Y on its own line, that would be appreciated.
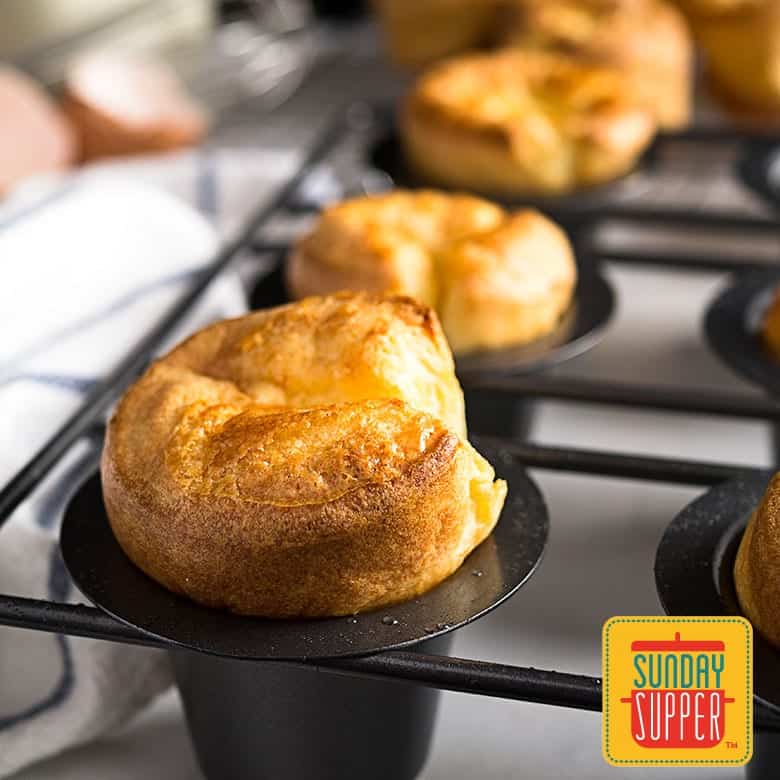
column 677, row 691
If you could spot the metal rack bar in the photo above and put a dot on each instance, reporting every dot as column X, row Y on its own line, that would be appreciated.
column 712, row 220
column 72, row 619
column 106, row 391
column 483, row 678
column 263, row 247
column 489, row 679
column 714, row 134
column 688, row 262
column 615, row 464
column 672, row 399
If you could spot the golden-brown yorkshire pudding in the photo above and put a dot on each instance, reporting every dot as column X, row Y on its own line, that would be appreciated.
column 699, row 8
column 742, row 52
column 517, row 121
column 309, row 460
column 495, row 278
column 757, row 569
column 770, row 326
column 418, row 32
column 646, row 39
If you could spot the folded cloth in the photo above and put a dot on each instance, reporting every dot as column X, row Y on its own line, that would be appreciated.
column 87, row 267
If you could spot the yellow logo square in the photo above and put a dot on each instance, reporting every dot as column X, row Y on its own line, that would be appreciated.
column 678, row 691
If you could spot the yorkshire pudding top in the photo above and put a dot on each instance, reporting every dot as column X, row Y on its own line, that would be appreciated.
column 399, row 242
column 606, row 30
column 527, row 95
column 495, row 277
column 770, row 326
column 647, row 39
column 522, row 120
column 271, row 395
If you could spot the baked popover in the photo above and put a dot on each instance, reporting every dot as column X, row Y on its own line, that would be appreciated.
column 418, row 32
column 647, row 39
column 770, row 326
column 309, row 460
column 516, row 122
column 698, row 8
column 742, row 57
column 496, row 278
column 757, row 569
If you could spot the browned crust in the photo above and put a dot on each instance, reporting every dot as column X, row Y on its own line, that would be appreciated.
column 453, row 135
column 742, row 60
column 647, row 39
column 220, row 487
column 375, row 546
column 496, row 278
column 462, row 130
column 699, row 9
column 757, row 568
column 770, row 326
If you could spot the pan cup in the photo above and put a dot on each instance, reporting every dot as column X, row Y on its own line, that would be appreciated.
column 254, row 720
column 498, row 415
column 766, row 755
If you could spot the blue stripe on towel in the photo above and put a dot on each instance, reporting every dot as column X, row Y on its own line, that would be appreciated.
column 58, row 585
column 206, row 185
column 27, row 211
column 123, row 302
column 76, row 384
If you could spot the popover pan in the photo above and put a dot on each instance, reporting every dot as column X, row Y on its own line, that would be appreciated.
column 694, row 568
column 492, row 573
column 732, row 326
column 264, row 720
column 758, row 166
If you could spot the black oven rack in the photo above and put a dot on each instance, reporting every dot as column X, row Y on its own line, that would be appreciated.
column 465, row 675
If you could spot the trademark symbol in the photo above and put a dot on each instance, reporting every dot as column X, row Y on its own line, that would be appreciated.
column 732, row 745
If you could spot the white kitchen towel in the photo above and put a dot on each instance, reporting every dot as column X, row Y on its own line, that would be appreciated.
column 88, row 263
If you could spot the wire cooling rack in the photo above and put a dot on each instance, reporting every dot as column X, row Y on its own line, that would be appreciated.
column 474, row 676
